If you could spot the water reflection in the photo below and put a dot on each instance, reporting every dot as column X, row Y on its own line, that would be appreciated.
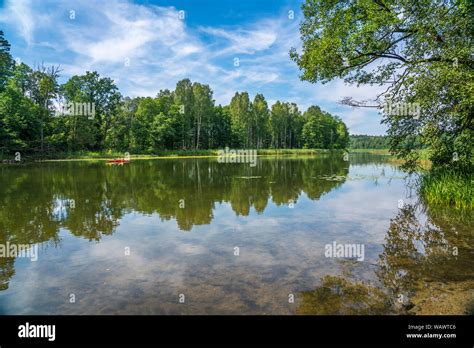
column 339, row 296
column 425, row 262
column 426, row 267
column 35, row 201
column 89, row 199
column 83, row 214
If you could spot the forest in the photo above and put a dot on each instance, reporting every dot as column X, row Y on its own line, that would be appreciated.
column 369, row 142
column 40, row 115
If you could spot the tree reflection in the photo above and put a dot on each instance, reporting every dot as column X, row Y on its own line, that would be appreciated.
column 426, row 267
column 89, row 198
column 421, row 256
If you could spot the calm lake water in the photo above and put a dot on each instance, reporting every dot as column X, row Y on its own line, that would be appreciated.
column 228, row 238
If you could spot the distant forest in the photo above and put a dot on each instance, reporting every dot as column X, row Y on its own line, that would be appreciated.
column 369, row 142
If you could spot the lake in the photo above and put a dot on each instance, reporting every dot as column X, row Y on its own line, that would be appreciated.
column 194, row 236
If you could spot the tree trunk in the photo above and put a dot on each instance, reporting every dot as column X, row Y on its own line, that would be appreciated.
column 198, row 126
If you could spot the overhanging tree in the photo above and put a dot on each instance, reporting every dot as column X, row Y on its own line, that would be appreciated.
column 420, row 51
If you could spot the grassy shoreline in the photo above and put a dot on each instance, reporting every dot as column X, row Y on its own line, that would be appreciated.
column 448, row 188
column 374, row 151
column 170, row 154
column 164, row 154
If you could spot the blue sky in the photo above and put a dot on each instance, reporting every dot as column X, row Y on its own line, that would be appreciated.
column 146, row 46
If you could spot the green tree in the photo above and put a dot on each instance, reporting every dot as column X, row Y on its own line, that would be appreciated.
column 421, row 50
column 21, row 79
column 342, row 134
column 148, row 108
column 162, row 131
column 184, row 97
column 220, row 128
column 285, row 125
column 6, row 61
column 324, row 131
column 44, row 89
column 241, row 116
column 314, row 128
column 26, row 99
column 103, row 94
column 261, row 117
column 202, row 108
column 19, row 121
column 369, row 142
column 119, row 136
column 277, row 117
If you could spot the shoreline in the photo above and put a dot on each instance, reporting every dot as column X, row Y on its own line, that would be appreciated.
column 176, row 154
column 166, row 154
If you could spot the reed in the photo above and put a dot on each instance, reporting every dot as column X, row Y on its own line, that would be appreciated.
column 448, row 188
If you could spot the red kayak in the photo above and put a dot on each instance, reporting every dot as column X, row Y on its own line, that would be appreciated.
column 118, row 160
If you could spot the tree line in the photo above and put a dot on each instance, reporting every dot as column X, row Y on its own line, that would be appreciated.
column 369, row 142
column 185, row 118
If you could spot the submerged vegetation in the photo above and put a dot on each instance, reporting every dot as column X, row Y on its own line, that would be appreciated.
column 339, row 296
column 425, row 268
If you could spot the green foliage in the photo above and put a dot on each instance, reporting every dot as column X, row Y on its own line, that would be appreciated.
column 286, row 126
column 6, row 61
column 369, row 142
column 19, row 121
column 420, row 51
column 92, row 132
column 220, row 127
column 261, row 119
column 203, row 108
column 324, row 131
column 448, row 188
column 241, row 116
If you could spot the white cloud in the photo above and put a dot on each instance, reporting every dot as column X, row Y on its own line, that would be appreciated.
column 130, row 31
column 244, row 41
column 159, row 47
column 18, row 14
